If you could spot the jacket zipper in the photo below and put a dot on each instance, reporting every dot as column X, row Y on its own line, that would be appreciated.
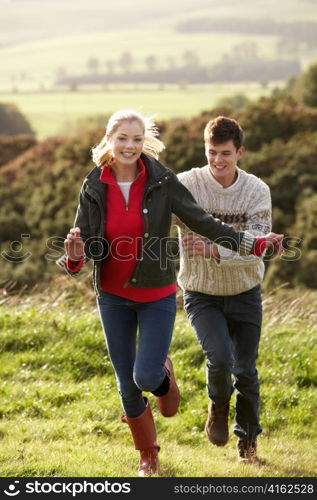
column 148, row 190
column 145, row 219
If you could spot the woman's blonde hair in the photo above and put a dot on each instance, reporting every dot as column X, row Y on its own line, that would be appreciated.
column 101, row 154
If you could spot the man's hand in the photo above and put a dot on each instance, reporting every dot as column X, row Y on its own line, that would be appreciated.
column 74, row 245
column 195, row 246
column 274, row 240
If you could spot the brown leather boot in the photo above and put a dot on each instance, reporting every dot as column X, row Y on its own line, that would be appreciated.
column 246, row 451
column 144, row 436
column 217, row 423
column 168, row 404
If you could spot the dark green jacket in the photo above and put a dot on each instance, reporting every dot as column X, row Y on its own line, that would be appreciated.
column 164, row 195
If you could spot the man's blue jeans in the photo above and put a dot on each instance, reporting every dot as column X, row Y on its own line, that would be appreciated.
column 137, row 367
column 228, row 329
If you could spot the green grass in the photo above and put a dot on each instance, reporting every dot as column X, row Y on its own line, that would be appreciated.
column 60, row 411
column 56, row 113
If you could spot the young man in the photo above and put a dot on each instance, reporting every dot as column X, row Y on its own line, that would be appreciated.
column 222, row 295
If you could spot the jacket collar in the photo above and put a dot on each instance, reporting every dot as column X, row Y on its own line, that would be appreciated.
column 107, row 176
column 155, row 171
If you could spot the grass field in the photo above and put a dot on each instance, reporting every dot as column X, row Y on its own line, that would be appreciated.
column 60, row 412
column 39, row 60
column 56, row 113
column 32, row 50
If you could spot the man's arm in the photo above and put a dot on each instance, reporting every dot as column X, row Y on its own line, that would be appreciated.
column 258, row 223
column 195, row 218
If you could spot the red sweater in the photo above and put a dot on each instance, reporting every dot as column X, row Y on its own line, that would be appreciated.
column 123, row 231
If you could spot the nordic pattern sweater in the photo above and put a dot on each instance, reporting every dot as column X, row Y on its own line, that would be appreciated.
column 246, row 206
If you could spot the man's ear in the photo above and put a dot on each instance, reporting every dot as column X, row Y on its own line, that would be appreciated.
column 240, row 152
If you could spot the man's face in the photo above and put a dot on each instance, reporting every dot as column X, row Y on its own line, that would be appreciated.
column 222, row 160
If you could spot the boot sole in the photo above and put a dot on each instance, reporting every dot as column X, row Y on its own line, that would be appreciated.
column 216, row 443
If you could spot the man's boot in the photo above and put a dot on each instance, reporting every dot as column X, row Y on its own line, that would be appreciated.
column 169, row 402
column 217, row 423
column 246, row 451
column 144, row 436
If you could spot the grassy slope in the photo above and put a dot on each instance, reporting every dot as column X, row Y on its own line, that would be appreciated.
column 79, row 30
column 56, row 113
column 40, row 59
column 24, row 19
column 60, row 413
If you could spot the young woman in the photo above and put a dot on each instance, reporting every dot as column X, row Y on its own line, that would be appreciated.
column 122, row 223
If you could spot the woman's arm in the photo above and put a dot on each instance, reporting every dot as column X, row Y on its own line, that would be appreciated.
column 74, row 258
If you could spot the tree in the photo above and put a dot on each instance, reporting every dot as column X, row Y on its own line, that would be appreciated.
column 93, row 65
column 61, row 72
column 12, row 121
column 151, row 62
column 310, row 86
column 170, row 62
column 110, row 65
column 191, row 59
column 299, row 262
column 237, row 101
column 126, row 61
column 184, row 140
column 288, row 167
column 245, row 50
column 304, row 87
column 13, row 146
column 275, row 117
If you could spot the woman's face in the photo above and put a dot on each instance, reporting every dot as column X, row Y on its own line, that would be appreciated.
column 127, row 143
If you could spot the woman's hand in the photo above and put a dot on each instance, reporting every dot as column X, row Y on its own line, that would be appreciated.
column 195, row 246
column 274, row 240
column 74, row 245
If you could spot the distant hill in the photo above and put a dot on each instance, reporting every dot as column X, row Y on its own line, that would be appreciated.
column 40, row 39
column 26, row 20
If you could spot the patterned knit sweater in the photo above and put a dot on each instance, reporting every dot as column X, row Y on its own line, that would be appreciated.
column 245, row 205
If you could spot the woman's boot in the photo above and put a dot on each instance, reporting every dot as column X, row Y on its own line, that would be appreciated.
column 144, row 436
column 169, row 402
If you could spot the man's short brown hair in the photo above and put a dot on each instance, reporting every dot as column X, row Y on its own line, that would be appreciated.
column 223, row 129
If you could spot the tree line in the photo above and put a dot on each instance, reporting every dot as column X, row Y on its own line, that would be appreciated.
column 242, row 64
column 295, row 31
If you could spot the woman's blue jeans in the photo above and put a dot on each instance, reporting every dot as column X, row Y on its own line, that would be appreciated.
column 138, row 365
column 228, row 329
